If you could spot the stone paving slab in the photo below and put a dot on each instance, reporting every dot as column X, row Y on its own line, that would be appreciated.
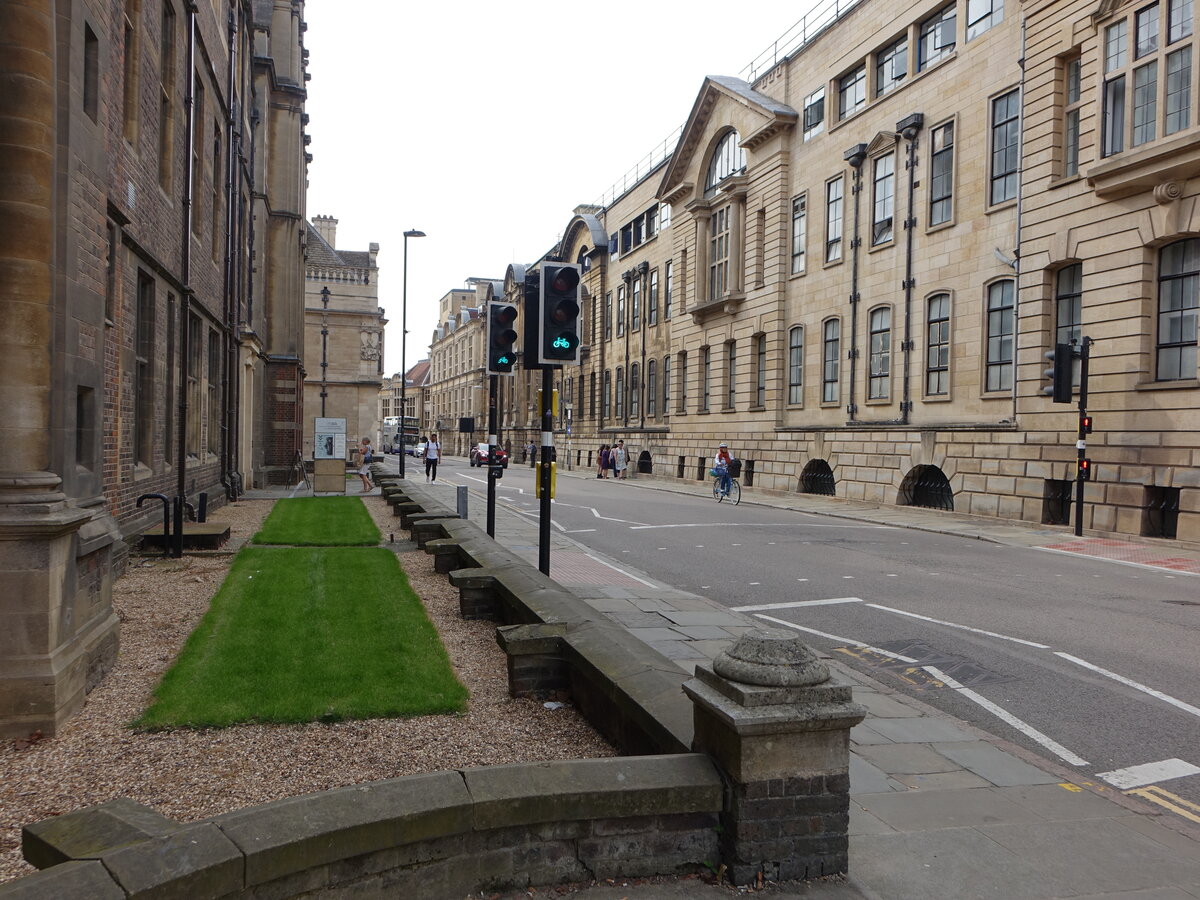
column 639, row 620
column 655, row 635
column 674, row 650
column 990, row 762
column 907, row 759
column 881, row 706
column 704, row 633
column 1054, row 802
column 704, row 617
column 921, row 810
column 864, row 734
column 922, row 730
column 866, row 778
column 943, row 781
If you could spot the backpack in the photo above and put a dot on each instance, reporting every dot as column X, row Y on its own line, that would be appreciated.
column 368, row 454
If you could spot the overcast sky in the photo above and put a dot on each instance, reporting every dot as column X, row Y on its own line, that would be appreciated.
column 484, row 124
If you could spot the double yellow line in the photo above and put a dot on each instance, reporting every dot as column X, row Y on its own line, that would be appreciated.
column 1167, row 800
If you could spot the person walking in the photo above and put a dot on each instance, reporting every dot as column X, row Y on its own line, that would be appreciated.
column 531, row 450
column 364, row 471
column 600, row 460
column 621, row 464
column 433, row 452
column 721, row 462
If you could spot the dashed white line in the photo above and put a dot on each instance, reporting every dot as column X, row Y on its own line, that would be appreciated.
column 1166, row 698
column 1149, row 773
column 796, row 604
column 995, row 634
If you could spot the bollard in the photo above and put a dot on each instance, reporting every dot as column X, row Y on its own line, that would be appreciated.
column 461, row 491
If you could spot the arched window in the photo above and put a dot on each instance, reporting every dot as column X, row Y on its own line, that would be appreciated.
column 727, row 159
column 1000, row 336
column 937, row 346
column 584, row 259
column 1178, row 306
column 831, row 356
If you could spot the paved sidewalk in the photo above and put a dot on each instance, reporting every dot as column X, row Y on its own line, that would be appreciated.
column 940, row 810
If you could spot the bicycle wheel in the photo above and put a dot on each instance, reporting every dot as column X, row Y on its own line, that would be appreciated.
column 735, row 491
column 718, row 495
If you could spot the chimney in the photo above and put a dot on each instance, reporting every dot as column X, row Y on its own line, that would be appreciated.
column 326, row 227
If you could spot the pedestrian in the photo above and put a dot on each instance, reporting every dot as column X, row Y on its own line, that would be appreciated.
column 621, row 462
column 364, row 471
column 610, row 466
column 600, row 460
column 532, row 451
column 433, row 452
column 721, row 463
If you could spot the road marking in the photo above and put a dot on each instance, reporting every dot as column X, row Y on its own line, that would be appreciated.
column 1167, row 800
column 622, row 571
column 1024, row 727
column 1149, row 773
column 596, row 513
column 753, row 525
column 1166, row 698
column 1003, row 637
column 578, row 530
column 796, row 604
column 756, row 582
column 1119, row 562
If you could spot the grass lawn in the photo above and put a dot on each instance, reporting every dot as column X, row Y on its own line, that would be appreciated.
column 319, row 522
column 297, row 635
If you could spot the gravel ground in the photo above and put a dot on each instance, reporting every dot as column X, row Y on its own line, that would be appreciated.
column 192, row 774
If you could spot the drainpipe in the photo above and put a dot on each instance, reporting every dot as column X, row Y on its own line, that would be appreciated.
column 231, row 336
column 855, row 156
column 909, row 128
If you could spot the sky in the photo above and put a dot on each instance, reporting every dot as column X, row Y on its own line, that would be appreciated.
column 484, row 124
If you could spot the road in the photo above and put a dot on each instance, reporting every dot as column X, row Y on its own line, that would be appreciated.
column 1087, row 662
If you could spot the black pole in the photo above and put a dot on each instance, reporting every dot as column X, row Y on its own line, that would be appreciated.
column 493, row 389
column 1081, row 442
column 403, row 356
column 543, row 473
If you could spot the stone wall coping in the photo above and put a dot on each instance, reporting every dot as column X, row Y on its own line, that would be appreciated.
column 838, row 687
column 780, row 719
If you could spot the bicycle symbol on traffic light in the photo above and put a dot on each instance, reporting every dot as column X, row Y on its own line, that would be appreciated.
column 562, row 343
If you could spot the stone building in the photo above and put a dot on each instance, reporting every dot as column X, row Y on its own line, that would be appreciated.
column 146, row 353
column 458, row 384
column 343, row 335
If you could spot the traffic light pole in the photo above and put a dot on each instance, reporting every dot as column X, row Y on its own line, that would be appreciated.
column 493, row 390
column 1081, row 442
column 543, row 472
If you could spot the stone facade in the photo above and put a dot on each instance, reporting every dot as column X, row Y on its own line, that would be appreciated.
column 458, row 384
column 127, row 368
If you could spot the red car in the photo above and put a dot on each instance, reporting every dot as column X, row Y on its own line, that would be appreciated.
column 479, row 456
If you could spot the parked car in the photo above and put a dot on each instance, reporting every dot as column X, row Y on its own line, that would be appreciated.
column 418, row 451
column 479, row 454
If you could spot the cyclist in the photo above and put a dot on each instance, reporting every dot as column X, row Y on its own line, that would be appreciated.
column 721, row 466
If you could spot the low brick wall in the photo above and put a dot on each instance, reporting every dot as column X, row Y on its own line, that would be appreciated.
column 441, row 835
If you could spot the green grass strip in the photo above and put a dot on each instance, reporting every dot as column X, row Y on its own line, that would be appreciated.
column 319, row 522
column 301, row 635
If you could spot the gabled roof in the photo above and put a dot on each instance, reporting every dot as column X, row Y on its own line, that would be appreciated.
column 418, row 375
column 320, row 253
column 775, row 117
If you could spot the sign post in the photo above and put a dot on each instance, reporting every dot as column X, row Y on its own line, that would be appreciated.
column 329, row 455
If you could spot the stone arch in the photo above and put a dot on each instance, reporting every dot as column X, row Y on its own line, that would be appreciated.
column 926, row 486
column 645, row 463
column 817, row 478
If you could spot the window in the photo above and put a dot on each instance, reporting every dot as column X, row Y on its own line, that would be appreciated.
column 1068, row 312
column 982, row 15
column 999, row 336
column 1145, row 110
column 1178, row 309
column 831, row 358
column 668, row 291
column 166, row 112
column 1006, row 112
column 799, row 232
column 129, row 99
column 937, row 38
column 881, row 354
column 1115, row 36
column 197, row 151
column 833, row 220
column 1146, row 30
column 731, row 376
column 606, row 395
column 635, row 391
column 651, row 389
column 727, row 159
column 760, row 353
column 937, row 346
column 796, row 365
column 620, row 310
column 941, row 189
column 1072, row 109
column 194, row 360
column 91, row 79
column 621, row 394
column 705, row 373
column 718, row 254
column 891, row 66
column 683, row 372
column 666, row 385
column 885, row 189
column 1113, row 134
column 814, row 113
column 652, row 307
column 217, row 227
column 214, row 384
column 852, row 92
column 664, row 216
column 171, row 401
column 636, row 321
column 1179, row 20
column 591, row 395
column 608, row 315
column 1179, row 92
column 144, row 371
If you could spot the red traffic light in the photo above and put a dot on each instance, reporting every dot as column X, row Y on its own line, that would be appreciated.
column 1085, row 470
column 1085, row 424
column 564, row 279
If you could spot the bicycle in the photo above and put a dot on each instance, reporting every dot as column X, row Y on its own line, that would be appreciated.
column 733, row 494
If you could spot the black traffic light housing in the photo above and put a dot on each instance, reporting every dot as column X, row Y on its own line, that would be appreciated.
column 1085, row 469
column 1062, row 363
column 558, row 320
column 501, row 337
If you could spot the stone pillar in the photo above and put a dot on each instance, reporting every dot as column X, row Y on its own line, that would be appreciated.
column 777, row 724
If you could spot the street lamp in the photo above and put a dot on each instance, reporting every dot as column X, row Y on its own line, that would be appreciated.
column 324, row 346
column 411, row 233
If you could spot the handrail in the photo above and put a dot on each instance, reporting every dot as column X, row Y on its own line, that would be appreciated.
column 812, row 24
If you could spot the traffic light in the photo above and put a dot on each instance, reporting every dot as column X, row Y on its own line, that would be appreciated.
column 1085, row 470
column 501, row 337
column 1062, row 363
column 1085, row 425
column 558, row 323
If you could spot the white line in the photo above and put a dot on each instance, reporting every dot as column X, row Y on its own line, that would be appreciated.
column 578, row 530
column 596, row 513
column 1024, row 727
column 1148, row 773
column 1119, row 562
column 751, row 525
column 1166, row 698
column 1003, row 637
column 833, row 637
column 622, row 571
column 795, row 604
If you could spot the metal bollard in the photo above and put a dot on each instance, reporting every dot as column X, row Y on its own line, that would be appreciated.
column 461, row 491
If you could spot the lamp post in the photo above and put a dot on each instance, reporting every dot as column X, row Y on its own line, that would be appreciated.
column 411, row 233
column 324, row 346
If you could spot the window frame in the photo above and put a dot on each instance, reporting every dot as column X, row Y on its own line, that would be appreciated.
column 795, row 365
column 760, row 371
column 730, row 375
column 1185, row 370
column 651, row 389
column 652, row 302
column 941, row 183
column 799, row 232
column 814, row 123
column 879, row 359
column 935, row 28
column 833, row 245
column 852, row 92
column 831, row 361
column 668, row 288
column 1072, row 109
column 999, row 336
column 937, row 345
column 727, row 158
column 883, row 199
column 886, row 79
column 993, row 17
column 1008, row 131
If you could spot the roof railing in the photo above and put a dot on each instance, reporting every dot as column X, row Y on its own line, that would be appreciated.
column 644, row 167
column 812, row 24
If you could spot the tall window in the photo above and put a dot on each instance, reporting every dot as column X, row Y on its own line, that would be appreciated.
column 683, row 381
column 171, row 401
column 1146, row 25
column 652, row 306
column 197, row 150
column 214, row 386
column 852, row 92
column 760, row 370
column 621, row 394
column 668, row 291
column 635, row 391
column 195, row 369
column 1145, row 103
column 705, row 377
column 637, row 304
column 881, row 354
column 166, row 81
column 1178, row 309
column 885, row 197
column 1068, row 312
column 651, row 389
column 1006, row 113
column 727, row 159
column 91, row 82
column 606, row 395
column 144, row 370
column 833, row 220
column 796, row 364
column 814, row 113
column 1116, row 38
column 131, row 26
column 999, row 336
column 891, row 66
column 799, row 232
column 620, row 310
column 592, row 395
column 1179, row 91
column 666, row 386
column 217, row 224
column 1179, row 20
column 718, row 254
column 982, row 15
column 941, row 190
column 831, row 358
column 731, row 377
column 608, row 315
column 937, row 37
column 937, row 346
column 1071, row 110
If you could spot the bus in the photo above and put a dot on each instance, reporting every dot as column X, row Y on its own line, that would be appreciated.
column 389, row 438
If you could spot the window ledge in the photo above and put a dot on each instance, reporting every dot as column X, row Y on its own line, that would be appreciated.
column 1180, row 385
column 1001, row 207
column 1133, row 171
column 1063, row 180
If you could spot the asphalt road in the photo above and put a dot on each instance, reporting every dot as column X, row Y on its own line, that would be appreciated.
column 1090, row 663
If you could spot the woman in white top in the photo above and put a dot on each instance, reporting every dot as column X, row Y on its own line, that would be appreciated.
column 433, row 452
